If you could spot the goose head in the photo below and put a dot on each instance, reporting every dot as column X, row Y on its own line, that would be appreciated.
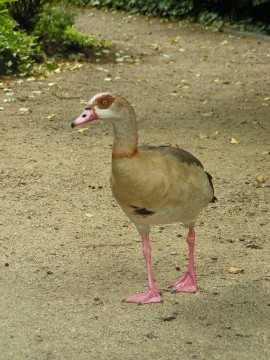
column 104, row 106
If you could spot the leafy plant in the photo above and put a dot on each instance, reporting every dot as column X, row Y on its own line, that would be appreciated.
column 57, row 34
column 16, row 49
column 26, row 12
column 149, row 7
column 255, row 12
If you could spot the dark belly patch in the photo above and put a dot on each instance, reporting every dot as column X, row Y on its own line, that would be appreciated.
column 142, row 211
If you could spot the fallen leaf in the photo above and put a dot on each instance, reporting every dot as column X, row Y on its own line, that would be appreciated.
column 204, row 136
column 107, row 79
column 224, row 42
column 77, row 66
column 208, row 114
column 235, row 270
column 1, row 108
column 120, row 59
column 260, row 179
column 217, row 81
column 185, row 82
column 234, row 141
column 9, row 100
column 89, row 215
column 25, row 110
column 84, row 130
column 204, row 58
column 155, row 46
column 37, row 92
column 140, row 80
column 51, row 117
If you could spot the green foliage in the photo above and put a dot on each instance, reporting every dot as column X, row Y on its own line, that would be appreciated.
column 26, row 12
column 259, row 2
column 57, row 34
column 53, row 34
column 164, row 8
column 253, row 13
column 17, row 50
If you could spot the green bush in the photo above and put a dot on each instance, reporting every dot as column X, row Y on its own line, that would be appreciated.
column 249, row 12
column 164, row 8
column 26, row 12
column 17, row 50
column 53, row 34
column 58, row 36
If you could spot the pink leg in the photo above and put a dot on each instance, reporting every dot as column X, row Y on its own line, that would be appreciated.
column 188, row 282
column 153, row 293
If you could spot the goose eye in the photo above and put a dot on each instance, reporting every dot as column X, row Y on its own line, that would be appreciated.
column 104, row 102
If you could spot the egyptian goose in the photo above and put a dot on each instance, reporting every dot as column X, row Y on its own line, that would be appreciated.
column 152, row 184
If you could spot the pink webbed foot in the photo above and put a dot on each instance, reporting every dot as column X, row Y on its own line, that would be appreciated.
column 150, row 296
column 187, row 283
column 153, row 293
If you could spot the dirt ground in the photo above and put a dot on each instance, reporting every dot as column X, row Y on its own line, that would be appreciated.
column 69, row 255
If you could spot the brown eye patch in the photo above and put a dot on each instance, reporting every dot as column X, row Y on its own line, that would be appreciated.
column 105, row 101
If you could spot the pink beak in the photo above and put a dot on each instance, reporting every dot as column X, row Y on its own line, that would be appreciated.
column 87, row 116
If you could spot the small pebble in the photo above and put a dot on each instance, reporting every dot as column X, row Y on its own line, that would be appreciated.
column 235, row 270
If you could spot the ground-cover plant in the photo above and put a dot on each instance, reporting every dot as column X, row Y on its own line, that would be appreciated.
column 56, row 31
column 48, row 34
column 27, row 12
column 244, row 14
column 17, row 50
